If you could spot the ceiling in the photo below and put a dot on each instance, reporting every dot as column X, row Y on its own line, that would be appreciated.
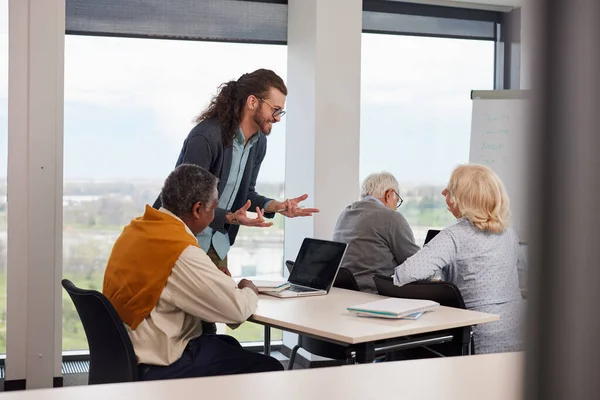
column 492, row 5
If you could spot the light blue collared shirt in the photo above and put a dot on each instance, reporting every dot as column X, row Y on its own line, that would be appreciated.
column 484, row 266
column 374, row 198
column 239, row 159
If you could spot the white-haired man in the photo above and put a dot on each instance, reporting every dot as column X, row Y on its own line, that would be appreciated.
column 379, row 238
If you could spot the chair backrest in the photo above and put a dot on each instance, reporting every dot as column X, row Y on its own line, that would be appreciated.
column 445, row 293
column 290, row 265
column 112, row 358
column 344, row 279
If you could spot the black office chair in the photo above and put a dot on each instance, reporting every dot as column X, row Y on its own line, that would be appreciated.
column 290, row 265
column 112, row 358
column 445, row 293
column 344, row 280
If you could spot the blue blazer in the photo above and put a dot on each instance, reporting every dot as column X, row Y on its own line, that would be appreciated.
column 204, row 147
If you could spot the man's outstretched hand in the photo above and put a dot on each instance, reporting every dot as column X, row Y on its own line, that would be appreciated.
column 241, row 218
column 291, row 208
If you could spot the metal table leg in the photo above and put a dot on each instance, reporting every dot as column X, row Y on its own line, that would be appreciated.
column 267, row 345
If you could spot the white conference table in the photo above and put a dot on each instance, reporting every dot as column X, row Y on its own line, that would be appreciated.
column 490, row 377
column 326, row 318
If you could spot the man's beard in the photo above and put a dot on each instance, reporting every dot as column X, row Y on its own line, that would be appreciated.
column 264, row 124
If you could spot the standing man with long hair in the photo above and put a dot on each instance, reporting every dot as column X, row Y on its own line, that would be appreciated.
column 230, row 141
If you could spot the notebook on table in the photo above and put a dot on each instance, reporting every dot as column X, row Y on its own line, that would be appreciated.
column 394, row 308
column 414, row 316
column 267, row 285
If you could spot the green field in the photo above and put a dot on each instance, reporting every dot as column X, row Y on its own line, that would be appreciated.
column 117, row 202
column 2, row 313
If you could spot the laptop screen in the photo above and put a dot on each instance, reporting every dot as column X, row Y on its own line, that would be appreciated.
column 430, row 235
column 317, row 263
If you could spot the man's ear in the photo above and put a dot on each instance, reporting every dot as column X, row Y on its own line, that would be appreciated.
column 197, row 209
column 252, row 102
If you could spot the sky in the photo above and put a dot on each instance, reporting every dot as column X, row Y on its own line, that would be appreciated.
column 129, row 103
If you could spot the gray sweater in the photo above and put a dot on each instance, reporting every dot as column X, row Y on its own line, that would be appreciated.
column 379, row 239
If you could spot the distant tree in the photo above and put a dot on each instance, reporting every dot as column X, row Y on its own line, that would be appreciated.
column 89, row 255
column 428, row 203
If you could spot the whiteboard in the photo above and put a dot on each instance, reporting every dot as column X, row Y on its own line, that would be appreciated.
column 499, row 140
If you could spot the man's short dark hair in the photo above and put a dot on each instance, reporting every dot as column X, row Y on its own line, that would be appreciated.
column 187, row 185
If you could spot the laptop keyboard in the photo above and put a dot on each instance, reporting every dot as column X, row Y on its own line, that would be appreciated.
column 300, row 289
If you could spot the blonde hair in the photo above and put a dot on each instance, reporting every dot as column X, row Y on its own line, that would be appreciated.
column 377, row 184
column 479, row 195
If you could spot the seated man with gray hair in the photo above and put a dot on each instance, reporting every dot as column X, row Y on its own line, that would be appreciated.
column 163, row 286
column 379, row 238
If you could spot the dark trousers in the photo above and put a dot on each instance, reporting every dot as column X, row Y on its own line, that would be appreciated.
column 211, row 355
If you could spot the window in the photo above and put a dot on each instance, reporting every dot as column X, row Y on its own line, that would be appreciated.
column 416, row 115
column 3, row 163
column 129, row 104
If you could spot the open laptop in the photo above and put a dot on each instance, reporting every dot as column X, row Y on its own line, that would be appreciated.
column 315, row 268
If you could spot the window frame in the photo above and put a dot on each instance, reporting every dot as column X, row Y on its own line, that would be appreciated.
column 505, row 71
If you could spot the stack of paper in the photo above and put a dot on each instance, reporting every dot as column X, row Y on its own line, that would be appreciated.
column 267, row 285
column 271, row 286
column 414, row 316
column 394, row 308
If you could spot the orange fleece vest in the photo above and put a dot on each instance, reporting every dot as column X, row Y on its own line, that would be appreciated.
column 141, row 261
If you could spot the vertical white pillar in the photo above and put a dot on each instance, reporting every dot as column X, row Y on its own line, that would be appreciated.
column 323, row 123
column 35, row 157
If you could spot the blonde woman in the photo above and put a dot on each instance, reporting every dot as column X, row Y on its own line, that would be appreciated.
column 479, row 254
